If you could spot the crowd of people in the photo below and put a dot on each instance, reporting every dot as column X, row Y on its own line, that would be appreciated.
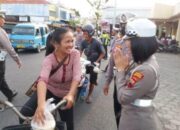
column 132, row 65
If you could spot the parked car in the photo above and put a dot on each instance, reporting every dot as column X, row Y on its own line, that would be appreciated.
column 29, row 36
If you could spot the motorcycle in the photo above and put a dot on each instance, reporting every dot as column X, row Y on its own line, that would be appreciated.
column 171, row 48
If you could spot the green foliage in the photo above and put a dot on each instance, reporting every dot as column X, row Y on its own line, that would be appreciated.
column 97, row 5
column 73, row 23
column 76, row 12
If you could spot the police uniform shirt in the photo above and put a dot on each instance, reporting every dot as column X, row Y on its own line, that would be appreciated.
column 141, row 83
column 5, row 45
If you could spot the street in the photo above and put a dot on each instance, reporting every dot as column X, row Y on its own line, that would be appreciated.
column 98, row 115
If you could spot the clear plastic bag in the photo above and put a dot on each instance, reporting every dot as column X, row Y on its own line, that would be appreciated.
column 49, row 122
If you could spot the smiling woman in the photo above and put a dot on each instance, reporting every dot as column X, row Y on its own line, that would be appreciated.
column 62, row 84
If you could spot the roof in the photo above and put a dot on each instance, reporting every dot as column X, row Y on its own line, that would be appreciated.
column 170, row 19
column 174, row 17
column 30, row 25
column 158, row 19
column 24, row 1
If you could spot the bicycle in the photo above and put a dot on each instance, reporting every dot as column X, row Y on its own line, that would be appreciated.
column 28, row 120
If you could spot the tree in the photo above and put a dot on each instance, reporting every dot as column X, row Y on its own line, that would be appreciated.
column 77, row 14
column 97, row 5
column 76, row 20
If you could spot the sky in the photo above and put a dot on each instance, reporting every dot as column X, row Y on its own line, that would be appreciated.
column 85, row 9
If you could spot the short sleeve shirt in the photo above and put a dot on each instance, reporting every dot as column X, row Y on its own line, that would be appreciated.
column 92, row 50
column 60, row 82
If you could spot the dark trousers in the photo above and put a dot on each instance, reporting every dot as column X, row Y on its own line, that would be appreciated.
column 30, row 107
column 105, row 48
column 117, row 106
column 3, row 85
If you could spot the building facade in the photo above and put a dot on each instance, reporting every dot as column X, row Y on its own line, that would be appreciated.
column 108, row 13
column 36, row 10
column 167, row 19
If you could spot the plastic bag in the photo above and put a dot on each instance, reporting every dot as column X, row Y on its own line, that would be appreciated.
column 84, row 88
column 49, row 122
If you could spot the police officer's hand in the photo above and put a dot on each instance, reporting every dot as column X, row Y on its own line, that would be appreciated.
column 121, row 60
column 106, row 89
column 19, row 64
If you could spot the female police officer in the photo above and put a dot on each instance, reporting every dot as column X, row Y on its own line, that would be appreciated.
column 137, row 88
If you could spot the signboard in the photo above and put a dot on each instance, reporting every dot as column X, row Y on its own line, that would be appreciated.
column 23, row 19
column 25, row 1
column 12, row 18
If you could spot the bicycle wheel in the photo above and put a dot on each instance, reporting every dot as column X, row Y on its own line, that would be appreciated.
column 18, row 127
column 60, row 125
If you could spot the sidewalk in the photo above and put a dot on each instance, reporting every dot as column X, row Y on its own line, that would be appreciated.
column 99, row 115
column 167, row 101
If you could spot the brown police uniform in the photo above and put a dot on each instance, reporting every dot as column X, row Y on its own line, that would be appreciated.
column 136, row 89
column 6, row 47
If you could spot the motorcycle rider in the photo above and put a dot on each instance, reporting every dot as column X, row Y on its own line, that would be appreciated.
column 94, row 52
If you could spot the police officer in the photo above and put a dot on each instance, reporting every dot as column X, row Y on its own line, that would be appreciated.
column 137, row 88
column 118, row 41
column 6, row 47
column 94, row 52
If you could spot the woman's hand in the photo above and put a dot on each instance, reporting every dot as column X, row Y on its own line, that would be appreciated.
column 39, row 116
column 70, row 101
column 121, row 61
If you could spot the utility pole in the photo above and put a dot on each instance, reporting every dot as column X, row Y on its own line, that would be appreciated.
column 115, row 7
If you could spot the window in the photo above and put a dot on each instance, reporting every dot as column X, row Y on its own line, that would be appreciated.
column 46, row 30
column 23, row 31
column 37, row 32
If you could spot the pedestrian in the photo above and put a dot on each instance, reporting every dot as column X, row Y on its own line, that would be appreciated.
column 62, row 84
column 78, row 37
column 6, row 47
column 49, row 45
column 116, row 37
column 105, row 39
column 137, row 88
column 117, row 41
column 94, row 52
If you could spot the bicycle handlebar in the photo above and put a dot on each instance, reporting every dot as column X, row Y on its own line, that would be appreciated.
column 85, row 63
column 62, row 103
column 9, row 104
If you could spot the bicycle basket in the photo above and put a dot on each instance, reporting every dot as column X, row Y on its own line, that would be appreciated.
column 60, row 125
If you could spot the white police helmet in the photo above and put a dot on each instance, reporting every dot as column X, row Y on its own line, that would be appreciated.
column 115, row 28
column 2, row 16
column 140, row 28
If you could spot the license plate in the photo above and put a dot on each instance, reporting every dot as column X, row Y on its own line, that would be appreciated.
column 20, row 46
